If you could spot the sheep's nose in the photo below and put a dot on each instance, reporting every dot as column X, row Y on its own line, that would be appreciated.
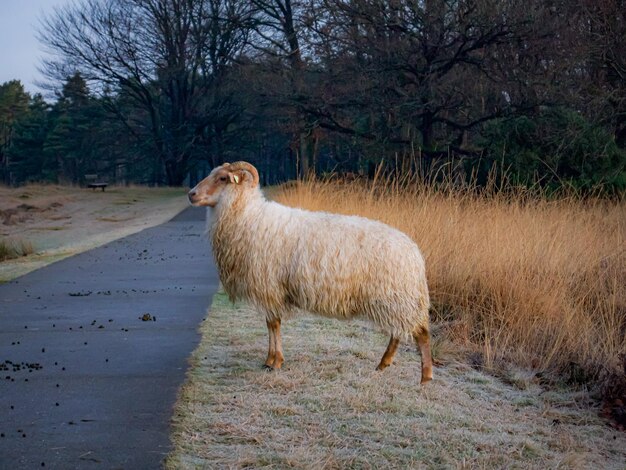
column 191, row 194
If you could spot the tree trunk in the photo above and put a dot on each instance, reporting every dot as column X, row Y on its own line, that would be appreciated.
column 175, row 172
column 303, row 155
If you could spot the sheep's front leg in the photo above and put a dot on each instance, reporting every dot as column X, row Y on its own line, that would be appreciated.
column 389, row 354
column 271, row 352
column 275, row 357
column 278, row 362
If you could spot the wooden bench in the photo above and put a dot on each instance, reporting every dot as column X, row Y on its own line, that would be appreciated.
column 95, row 186
column 93, row 183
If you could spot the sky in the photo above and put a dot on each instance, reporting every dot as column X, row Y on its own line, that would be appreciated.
column 20, row 51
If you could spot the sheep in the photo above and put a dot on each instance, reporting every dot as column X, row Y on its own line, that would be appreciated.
column 284, row 260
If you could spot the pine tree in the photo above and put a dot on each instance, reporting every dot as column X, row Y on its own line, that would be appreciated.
column 13, row 106
column 28, row 159
column 71, row 139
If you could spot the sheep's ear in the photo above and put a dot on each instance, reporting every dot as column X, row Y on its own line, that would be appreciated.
column 234, row 178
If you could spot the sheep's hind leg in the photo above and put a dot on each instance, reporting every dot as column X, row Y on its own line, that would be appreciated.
column 422, row 339
column 275, row 351
column 387, row 359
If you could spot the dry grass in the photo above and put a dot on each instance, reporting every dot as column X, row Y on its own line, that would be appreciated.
column 329, row 408
column 514, row 278
column 11, row 249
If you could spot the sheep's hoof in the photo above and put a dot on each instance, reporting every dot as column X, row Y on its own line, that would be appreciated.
column 427, row 374
column 268, row 368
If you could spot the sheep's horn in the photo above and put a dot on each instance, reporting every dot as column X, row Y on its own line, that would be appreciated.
column 248, row 167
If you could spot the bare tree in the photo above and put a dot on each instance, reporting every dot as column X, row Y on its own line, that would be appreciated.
column 422, row 74
column 281, row 29
column 603, row 41
column 339, row 82
column 171, row 57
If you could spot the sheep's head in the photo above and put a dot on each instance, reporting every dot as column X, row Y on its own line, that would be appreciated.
column 227, row 177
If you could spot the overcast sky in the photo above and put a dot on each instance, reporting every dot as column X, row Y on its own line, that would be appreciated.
column 20, row 52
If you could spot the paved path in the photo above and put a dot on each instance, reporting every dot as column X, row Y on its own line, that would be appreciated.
column 96, row 384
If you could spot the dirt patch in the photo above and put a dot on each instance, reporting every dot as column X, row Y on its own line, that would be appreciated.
column 329, row 408
column 61, row 221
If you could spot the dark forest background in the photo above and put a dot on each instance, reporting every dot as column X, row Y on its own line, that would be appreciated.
column 159, row 91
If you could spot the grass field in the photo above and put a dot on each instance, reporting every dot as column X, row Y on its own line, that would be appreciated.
column 529, row 325
column 519, row 279
column 40, row 224
column 329, row 408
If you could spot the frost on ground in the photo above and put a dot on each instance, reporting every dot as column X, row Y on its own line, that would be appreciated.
column 329, row 408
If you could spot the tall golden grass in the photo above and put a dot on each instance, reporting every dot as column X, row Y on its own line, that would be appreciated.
column 523, row 279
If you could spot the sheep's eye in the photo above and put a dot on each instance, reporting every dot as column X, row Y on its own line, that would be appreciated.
column 222, row 178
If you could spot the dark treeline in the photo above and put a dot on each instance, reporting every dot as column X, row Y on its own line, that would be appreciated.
column 160, row 91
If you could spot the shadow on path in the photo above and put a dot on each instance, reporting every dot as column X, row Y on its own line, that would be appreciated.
column 84, row 382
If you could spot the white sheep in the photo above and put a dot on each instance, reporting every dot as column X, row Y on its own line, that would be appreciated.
column 283, row 260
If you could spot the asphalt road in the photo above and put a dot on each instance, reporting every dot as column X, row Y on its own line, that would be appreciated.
column 84, row 381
